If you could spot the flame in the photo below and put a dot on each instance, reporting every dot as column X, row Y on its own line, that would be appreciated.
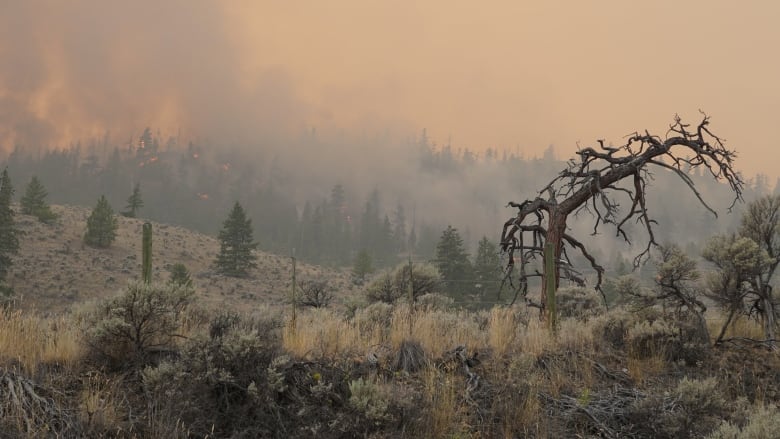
column 195, row 155
column 226, row 167
column 203, row 196
column 153, row 159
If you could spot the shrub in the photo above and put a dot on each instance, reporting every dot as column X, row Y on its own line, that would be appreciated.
column 137, row 326
column 315, row 293
column 647, row 339
column 369, row 400
column 410, row 356
column 393, row 285
column 692, row 408
column 612, row 327
column 434, row 302
column 376, row 315
column 218, row 382
column 762, row 424
column 580, row 303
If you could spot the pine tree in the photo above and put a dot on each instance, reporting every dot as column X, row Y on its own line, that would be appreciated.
column 134, row 202
column 9, row 242
column 34, row 202
column 399, row 229
column 487, row 265
column 180, row 276
column 362, row 267
column 453, row 262
column 101, row 225
column 236, row 244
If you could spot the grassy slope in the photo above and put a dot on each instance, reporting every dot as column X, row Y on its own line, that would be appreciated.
column 55, row 271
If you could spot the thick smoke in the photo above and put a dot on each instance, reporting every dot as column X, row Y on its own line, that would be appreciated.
column 76, row 70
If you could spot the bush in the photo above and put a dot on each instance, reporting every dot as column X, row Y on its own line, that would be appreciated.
column 315, row 293
column 612, row 327
column 219, row 382
column 390, row 286
column 138, row 326
column 410, row 357
column 376, row 315
column 434, row 302
column 369, row 400
column 647, row 339
column 692, row 408
column 762, row 424
column 580, row 303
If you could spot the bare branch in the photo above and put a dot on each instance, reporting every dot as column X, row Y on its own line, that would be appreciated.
column 589, row 183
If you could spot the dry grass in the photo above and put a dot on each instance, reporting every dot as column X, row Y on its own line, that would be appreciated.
column 741, row 326
column 55, row 270
column 28, row 340
column 643, row 369
column 441, row 397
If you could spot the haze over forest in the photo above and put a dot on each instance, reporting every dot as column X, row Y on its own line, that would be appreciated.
column 303, row 96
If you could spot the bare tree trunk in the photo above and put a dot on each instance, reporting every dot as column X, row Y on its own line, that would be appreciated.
column 769, row 319
column 725, row 326
column 555, row 230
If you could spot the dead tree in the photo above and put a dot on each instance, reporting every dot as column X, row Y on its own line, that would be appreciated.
column 591, row 183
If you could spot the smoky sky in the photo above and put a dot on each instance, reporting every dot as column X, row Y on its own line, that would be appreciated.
column 509, row 74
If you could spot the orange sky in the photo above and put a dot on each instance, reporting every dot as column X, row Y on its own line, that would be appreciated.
column 506, row 73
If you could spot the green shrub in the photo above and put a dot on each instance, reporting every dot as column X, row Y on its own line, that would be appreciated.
column 390, row 286
column 579, row 303
column 691, row 409
column 369, row 400
column 762, row 424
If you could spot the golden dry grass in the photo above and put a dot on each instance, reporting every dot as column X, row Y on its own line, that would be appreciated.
column 30, row 340
column 327, row 333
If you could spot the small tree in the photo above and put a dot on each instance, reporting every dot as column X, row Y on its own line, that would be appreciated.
column 487, row 265
column 180, row 276
column 9, row 241
column 34, row 202
column 235, row 256
column 101, row 225
column 453, row 262
column 362, row 267
column 746, row 272
column 739, row 262
column 677, row 289
column 134, row 202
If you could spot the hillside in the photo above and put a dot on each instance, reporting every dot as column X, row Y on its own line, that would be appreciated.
column 54, row 270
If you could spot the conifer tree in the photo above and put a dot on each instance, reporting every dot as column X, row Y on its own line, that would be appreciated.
column 101, row 225
column 34, row 202
column 453, row 263
column 362, row 267
column 9, row 241
column 180, row 276
column 134, row 202
column 235, row 256
column 487, row 266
